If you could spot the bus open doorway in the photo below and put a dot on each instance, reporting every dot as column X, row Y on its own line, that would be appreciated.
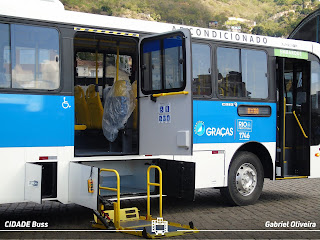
column 105, row 86
column 294, row 109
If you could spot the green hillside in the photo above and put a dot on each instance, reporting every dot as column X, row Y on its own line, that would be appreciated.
column 272, row 17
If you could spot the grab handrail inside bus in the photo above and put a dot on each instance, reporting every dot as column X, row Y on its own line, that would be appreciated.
column 80, row 127
column 170, row 93
column 303, row 132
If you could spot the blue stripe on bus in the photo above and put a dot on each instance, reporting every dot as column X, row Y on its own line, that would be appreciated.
column 36, row 120
column 219, row 122
column 47, row 120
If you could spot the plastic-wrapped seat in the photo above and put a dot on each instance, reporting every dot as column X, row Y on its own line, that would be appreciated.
column 95, row 107
column 118, row 107
column 81, row 107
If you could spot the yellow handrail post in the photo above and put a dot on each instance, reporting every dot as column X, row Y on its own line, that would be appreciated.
column 97, row 81
column 116, row 205
column 116, row 219
column 148, row 196
column 148, row 190
column 301, row 128
column 117, row 64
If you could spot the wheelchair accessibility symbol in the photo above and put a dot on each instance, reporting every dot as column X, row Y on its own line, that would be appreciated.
column 159, row 226
column 65, row 104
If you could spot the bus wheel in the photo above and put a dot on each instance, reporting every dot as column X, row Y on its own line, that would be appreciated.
column 245, row 179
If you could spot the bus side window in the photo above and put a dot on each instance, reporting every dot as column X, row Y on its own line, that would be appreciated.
column 201, row 70
column 35, row 57
column 242, row 73
column 228, row 71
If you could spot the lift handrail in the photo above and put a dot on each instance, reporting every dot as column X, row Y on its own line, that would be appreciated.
column 148, row 190
column 116, row 205
column 301, row 128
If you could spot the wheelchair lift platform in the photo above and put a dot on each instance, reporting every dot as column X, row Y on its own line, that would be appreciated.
column 127, row 220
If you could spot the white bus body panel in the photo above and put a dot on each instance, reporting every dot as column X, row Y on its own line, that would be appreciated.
column 78, row 185
column 12, row 175
column 13, row 169
column 209, row 169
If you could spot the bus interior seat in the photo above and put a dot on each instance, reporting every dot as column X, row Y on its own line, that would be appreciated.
column 95, row 107
column 81, row 107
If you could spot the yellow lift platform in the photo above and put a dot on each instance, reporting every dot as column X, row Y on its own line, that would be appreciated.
column 127, row 220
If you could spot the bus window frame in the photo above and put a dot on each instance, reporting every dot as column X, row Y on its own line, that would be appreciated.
column 269, row 75
column 212, row 68
column 141, row 77
column 31, row 23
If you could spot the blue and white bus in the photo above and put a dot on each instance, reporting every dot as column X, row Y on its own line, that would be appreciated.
column 82, row 92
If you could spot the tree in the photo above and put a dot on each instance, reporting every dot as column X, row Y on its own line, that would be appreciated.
column 258, row 30
column 244, row 28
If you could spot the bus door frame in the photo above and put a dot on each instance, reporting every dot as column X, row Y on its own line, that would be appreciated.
column 303, row 164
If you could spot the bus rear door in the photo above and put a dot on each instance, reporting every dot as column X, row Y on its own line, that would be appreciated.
column 165, row 94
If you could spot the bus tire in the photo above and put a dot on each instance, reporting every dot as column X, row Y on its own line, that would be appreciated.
column 245, row 179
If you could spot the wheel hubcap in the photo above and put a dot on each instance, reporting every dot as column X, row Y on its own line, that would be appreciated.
column 246, row 179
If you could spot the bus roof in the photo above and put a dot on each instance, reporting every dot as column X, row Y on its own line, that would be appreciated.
column 53, row 11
